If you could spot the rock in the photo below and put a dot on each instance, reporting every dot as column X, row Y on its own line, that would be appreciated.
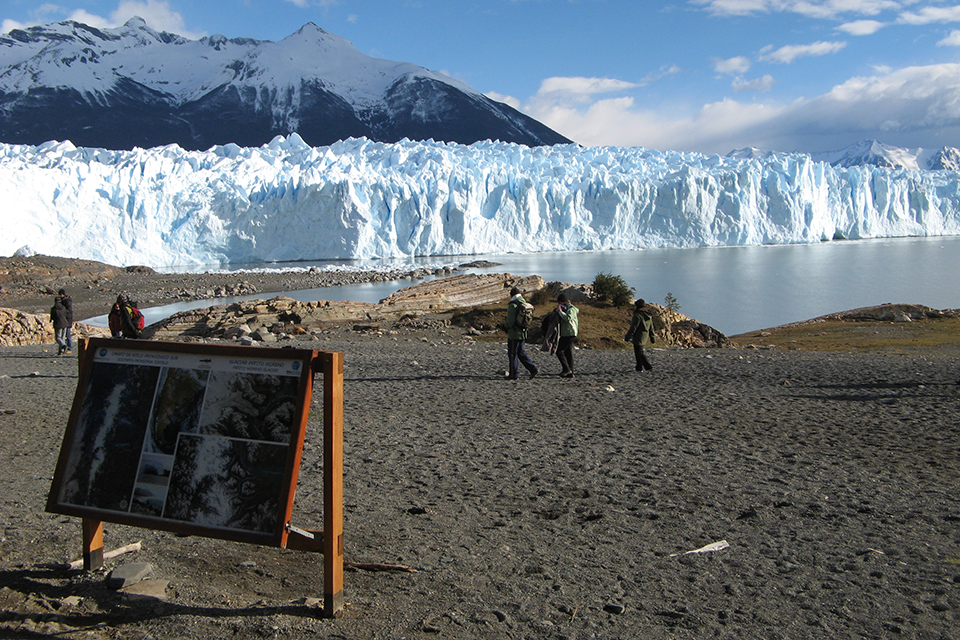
column 129, row 574
column 71, row 601
column 263, row 335
column 146, row 591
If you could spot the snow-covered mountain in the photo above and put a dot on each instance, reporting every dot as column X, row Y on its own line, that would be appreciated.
column 363, row 199
column 136, row 87
column 878, row 154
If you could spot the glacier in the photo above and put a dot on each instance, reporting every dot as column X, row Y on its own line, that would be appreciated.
column 357, row 199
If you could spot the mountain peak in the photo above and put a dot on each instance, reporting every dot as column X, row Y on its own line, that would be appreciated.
column 70, row 81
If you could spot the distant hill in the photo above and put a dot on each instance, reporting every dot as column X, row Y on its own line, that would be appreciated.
column 136, row 87
column 871, row 152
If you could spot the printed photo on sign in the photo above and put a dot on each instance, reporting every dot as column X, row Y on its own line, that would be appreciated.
column 221, row 482
column 108, row 438
column 251, row 406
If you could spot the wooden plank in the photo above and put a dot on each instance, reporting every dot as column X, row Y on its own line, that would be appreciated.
column 333, row 484
column 305, row 540
column 92, row 544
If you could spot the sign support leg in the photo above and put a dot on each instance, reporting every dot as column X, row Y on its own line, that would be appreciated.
column 92, row 544
column 333, row 486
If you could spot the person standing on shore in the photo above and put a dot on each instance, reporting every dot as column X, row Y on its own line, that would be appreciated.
column 569, row 327
column 125, row 319
column 516, row 335
column 640, row 334
column 61, row 314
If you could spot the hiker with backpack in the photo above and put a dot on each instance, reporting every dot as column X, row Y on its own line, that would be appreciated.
column 125, row 319
column 641, row 334
column 569, row 328
column 519, row 318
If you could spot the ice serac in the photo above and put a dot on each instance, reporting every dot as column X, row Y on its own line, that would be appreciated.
column 286, row 200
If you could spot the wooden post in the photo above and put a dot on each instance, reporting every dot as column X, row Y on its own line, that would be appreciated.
column 333, row 485
column 92, row 544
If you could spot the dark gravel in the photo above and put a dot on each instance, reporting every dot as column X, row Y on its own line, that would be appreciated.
column 550, row 508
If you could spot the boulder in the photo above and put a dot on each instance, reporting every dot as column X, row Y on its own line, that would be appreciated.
column 20, row 328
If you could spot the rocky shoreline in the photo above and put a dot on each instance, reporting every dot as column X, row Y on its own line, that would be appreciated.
column 29, row 284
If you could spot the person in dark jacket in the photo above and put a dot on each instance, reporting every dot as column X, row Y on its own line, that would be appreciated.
column 641, row 334
column 515, row 338
column 61, row 315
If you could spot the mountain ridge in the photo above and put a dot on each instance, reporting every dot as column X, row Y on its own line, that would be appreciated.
column 133, row 86
column 872, row 152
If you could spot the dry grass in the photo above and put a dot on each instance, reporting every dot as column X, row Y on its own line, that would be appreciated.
column 936, row 334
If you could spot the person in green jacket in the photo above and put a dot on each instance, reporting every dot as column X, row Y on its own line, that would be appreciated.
column 516, row 336
column 569, row 327
column 641, row 334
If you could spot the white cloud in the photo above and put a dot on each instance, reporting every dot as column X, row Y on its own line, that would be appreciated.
column 826, row 9
column 861, row 27
column 930, row 15
column 579, row 86
column 952, row 40
column 914, row 106
column 507, row 100
column 156, row 13
column 758, row 85
column 789, row 53
column 304, row 4
column 732, row 65
column 9, row 25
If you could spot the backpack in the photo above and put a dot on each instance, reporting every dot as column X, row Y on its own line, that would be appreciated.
column 132, row 320
column 524, row 316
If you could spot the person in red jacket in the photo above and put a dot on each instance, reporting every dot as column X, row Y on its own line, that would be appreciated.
column 125, row 319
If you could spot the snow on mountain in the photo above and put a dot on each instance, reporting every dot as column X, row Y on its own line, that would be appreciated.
column 872, row 152
column 361, row 199
column 133, row 86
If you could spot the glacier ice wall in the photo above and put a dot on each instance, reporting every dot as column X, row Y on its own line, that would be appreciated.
column 359, row 199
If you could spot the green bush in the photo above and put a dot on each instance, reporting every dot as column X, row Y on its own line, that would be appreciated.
column 670, row 302
column 607, row 286
column 540, row 296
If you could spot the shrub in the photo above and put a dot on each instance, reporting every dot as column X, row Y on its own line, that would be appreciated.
column 670, row 302
column 539, row 297
column 607, row 286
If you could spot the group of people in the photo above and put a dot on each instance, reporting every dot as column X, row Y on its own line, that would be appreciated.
column 125, row 320
column 560, row 328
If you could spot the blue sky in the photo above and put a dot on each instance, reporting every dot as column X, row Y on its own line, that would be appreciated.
column 689, row 75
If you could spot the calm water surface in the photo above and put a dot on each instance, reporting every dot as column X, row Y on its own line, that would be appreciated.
column 733, row 289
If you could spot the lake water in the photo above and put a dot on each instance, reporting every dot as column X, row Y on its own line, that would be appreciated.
column 733, row 289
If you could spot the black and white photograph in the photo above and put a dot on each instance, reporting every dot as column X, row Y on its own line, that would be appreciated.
column 251, row 406
column 226, row 483
column 108, row 437
column 177, row 407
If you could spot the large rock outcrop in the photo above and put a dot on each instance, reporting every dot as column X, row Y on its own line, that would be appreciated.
column 20, row 328
column 262, row 318
column 416, row 306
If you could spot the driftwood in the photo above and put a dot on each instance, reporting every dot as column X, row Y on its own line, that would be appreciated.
column 378, row 566
column 78, row 564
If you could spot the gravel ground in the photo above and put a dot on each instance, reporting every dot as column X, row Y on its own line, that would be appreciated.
column 549, row 508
